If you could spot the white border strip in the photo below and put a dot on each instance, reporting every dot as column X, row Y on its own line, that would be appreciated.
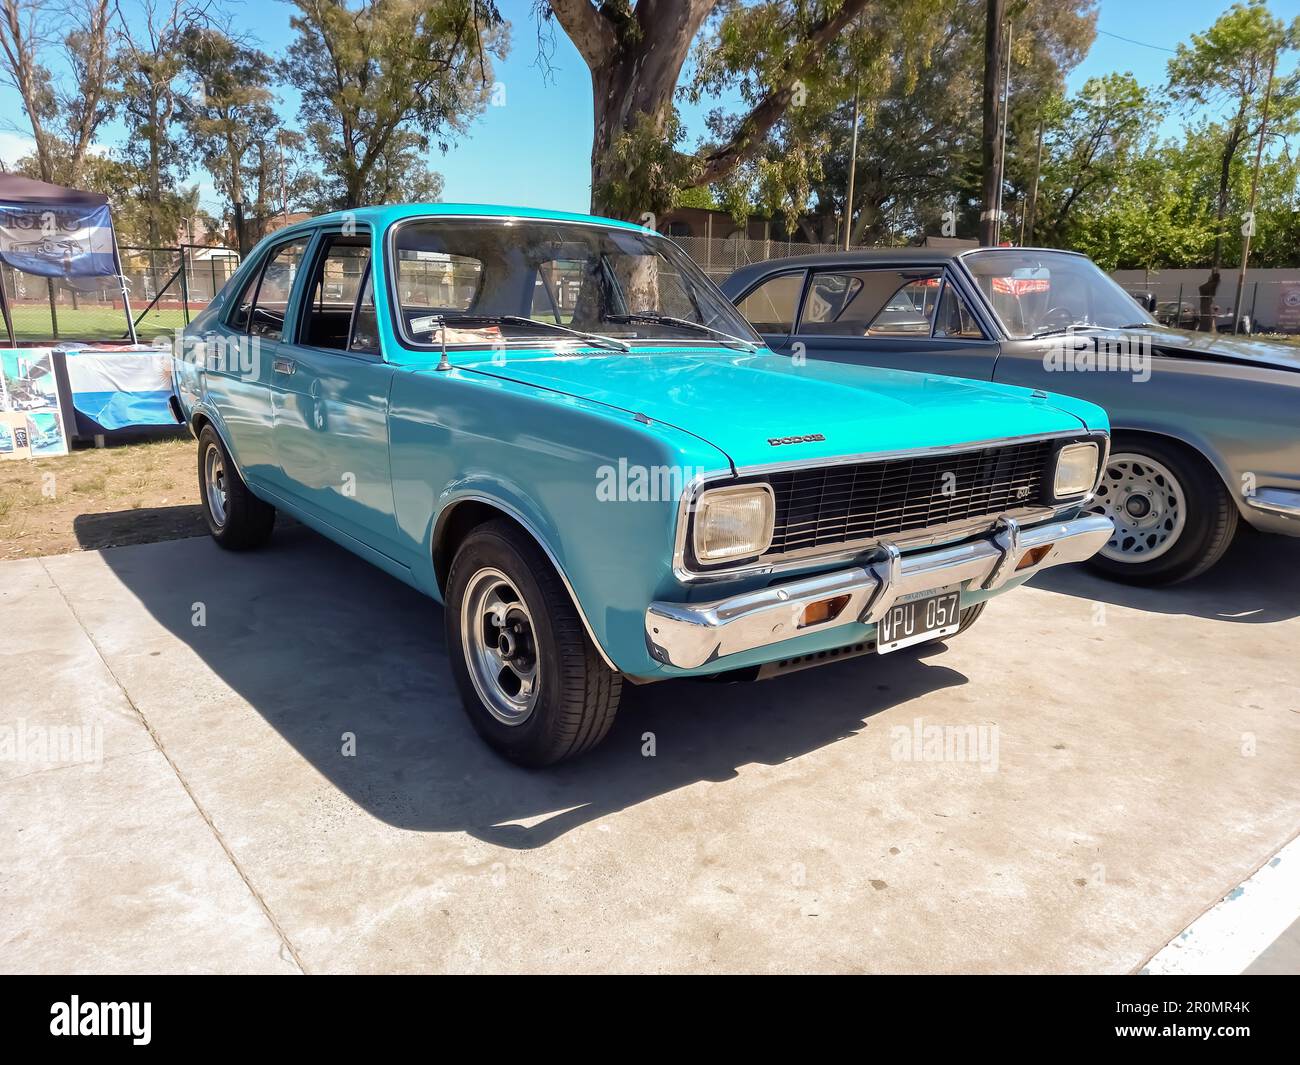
column 1241, row 926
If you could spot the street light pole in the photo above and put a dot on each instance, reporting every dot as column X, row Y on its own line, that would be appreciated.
column 1254, row 189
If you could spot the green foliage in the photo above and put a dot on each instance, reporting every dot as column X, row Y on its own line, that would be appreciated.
column 383, row 80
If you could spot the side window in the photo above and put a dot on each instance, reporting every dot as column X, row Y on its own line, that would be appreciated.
column 278, row 276
column 555, row 291
column 365, row 325
column 870, row 303
column 336, row 280
column 771, row 307
column 244, row 304
column 954, row 318
column 433, row 282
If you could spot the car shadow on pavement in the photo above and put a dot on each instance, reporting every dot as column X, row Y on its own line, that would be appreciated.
column 1256, row 582
column 321, row 644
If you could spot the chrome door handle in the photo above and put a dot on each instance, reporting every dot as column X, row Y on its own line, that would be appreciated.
column 282, row 365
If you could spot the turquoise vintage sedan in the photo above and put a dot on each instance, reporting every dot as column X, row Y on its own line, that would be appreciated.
column 559, row 428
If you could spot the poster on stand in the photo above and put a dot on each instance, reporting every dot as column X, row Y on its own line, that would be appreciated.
column 32, row 422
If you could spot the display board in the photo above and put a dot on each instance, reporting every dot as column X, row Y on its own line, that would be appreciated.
column 33, row 421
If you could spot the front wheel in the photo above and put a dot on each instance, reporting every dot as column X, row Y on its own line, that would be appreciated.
column 533, row 684
column 1173, row 516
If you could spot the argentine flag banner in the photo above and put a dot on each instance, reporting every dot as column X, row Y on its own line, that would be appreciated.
column 55, row 241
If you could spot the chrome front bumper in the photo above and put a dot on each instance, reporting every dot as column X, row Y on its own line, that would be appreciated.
column 690, row 635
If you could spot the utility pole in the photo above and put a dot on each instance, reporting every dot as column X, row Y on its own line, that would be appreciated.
column 1254, row 189
column 989, row 145
column 853, row 170
column 1002, row 150
column 1033, row 194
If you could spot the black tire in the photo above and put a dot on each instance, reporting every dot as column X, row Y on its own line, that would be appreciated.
column 247, row 521
column 969, row 616
column 1209, row 525
column 577, row 693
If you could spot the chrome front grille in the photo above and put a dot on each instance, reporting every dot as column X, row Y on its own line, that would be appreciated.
column 828, row 505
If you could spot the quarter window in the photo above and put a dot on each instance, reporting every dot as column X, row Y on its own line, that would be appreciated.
column 954, row 318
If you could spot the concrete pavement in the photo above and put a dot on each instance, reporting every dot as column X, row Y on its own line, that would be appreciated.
column 287, row 782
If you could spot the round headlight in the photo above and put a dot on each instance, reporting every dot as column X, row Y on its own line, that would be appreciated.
column 1076, row 470
column 734, row 522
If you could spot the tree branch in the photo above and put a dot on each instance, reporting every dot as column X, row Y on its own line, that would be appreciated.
column 753, row 129
column 590, row 30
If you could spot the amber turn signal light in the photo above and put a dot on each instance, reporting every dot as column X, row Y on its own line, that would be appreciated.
column 823, row 610
column 1032, row 557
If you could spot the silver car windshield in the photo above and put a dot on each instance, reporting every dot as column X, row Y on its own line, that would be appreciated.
column 1039, row 293
column 491, row 280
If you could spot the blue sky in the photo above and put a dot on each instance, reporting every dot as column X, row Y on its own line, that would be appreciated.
column 534, row 151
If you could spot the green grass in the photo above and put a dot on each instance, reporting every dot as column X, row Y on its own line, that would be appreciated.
column 32, row 323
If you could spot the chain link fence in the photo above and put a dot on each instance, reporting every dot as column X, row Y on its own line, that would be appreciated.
column 720, row 258
column 166, row 287
column 1267, row 307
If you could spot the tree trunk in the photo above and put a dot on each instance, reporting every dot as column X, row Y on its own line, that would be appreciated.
column 1209, row 288
column 635, row 81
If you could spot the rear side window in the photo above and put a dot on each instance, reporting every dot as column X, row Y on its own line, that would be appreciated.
column 861, row 303
column 244, row 305
column 771, row 307
column 278, row 276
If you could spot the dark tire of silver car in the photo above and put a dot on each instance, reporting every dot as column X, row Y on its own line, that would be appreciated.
column 236, row 518
column 530, row 679
column 1173, row 515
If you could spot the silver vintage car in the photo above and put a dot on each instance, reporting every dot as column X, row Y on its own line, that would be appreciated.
column 1206, row 427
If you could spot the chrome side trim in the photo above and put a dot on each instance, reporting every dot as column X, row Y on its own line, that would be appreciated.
column 531, row 529
column 691, row 635
column 786, row 561
column 1276, row 501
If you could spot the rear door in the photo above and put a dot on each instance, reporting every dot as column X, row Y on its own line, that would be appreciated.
column 330, row 389
column 237, row 356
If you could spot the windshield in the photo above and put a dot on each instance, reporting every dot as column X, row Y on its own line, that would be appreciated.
column 485, row 279
column 1035, row 293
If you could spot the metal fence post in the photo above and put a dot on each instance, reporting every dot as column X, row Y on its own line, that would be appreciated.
column 185, row 282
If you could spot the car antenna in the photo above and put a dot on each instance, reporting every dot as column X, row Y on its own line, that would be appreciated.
column 443, row 363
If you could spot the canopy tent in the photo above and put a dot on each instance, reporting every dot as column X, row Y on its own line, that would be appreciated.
column 57, row 233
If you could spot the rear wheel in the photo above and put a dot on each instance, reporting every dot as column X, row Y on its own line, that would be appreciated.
column 1173, row 516
column 236, row 518
column 530, row 679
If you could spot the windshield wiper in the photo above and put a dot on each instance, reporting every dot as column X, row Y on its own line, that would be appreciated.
column 595, row 339
column 682, row 323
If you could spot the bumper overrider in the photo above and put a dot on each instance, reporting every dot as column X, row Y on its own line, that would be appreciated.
column 690, row 635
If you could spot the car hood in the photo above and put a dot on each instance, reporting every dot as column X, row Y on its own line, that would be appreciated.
column 742, row 402
column 1219, row 347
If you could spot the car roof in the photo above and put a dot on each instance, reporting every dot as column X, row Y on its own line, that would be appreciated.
column 381, row 217
column 747, row 275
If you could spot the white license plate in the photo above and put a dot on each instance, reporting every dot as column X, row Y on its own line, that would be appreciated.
column 917, row 618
